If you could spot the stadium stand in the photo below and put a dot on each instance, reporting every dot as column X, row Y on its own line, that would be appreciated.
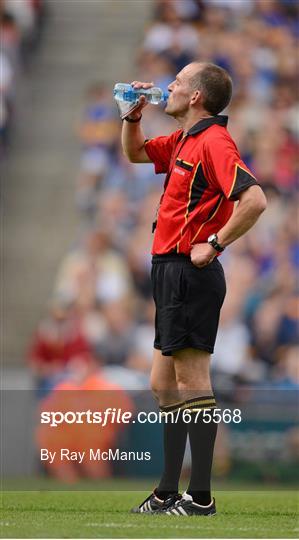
column 104, row 279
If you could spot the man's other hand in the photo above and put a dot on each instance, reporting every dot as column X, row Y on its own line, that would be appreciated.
column 202, row 254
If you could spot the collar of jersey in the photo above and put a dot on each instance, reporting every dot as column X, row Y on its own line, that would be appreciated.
column 205, row 123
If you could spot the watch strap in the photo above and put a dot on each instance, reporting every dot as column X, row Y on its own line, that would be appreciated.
column 215, row 245
column 133, row 120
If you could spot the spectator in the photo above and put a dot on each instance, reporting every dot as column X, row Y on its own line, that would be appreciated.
column 59, row 340
column 176, row 39
column 118, row 338
column 20, row 28
column 93, row 272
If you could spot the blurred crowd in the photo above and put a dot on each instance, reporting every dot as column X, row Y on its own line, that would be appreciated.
column 21, row 24
column 100, row 319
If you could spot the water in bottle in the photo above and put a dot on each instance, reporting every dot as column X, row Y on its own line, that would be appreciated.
column 127, row 97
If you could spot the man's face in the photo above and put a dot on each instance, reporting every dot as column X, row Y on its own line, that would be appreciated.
column 180, row 92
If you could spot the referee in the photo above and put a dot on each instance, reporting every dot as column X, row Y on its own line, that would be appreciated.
column 196, row 221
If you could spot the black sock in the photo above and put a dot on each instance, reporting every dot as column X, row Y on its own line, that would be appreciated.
column 175, row 437
column 202, row 438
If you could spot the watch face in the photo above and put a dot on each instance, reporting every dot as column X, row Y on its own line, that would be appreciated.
column 212, row 237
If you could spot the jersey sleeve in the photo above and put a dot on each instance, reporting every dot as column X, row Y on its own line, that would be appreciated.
column 160, row 150
column 226, row 167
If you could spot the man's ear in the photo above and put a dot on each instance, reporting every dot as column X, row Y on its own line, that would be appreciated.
column 196, row 97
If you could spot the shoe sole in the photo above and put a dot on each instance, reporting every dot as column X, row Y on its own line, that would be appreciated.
column 190, row 515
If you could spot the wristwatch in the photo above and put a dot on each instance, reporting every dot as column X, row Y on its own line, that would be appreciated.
column 213, row 241
column 133, row 120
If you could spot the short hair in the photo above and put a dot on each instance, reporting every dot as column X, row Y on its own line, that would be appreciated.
column 216, row 86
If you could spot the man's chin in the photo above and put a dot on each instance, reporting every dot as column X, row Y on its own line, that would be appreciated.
column 169, row 111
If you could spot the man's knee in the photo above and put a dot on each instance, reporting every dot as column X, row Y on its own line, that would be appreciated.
column 164, row 390
column 162, row 380
column 154, row 387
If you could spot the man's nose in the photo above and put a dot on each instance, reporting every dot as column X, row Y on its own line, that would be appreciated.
column 169, row 88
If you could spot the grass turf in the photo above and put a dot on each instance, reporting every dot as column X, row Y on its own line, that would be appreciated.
column 52, row 514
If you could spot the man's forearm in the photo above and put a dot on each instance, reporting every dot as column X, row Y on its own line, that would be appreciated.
column 252, row 203
column 132, row 139
column 244, row 217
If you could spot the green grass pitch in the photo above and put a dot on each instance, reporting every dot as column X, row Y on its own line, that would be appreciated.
column 94, row 514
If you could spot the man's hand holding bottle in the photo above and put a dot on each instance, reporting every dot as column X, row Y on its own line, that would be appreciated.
column 142, row 101
column 131, row 100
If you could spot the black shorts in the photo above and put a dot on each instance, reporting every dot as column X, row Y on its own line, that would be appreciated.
column 188, row 302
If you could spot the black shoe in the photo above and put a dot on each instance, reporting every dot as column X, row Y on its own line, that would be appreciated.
column 186, row 507
column 154, row 505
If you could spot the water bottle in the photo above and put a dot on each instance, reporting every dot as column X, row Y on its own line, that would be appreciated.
column 126, row 92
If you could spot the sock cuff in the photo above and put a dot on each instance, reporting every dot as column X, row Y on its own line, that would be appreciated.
column 172, row 408
column 201, row 402
column 194, row 404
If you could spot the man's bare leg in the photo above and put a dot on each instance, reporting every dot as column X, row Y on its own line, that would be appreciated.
column 192, row 372
column 163, row 379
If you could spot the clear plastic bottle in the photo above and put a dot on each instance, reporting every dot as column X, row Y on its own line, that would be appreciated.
column 125, row 92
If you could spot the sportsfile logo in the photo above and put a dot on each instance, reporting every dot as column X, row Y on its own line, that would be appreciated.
column 108, row 416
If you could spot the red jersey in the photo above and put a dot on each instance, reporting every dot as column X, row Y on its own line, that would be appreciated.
column 205, row 175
